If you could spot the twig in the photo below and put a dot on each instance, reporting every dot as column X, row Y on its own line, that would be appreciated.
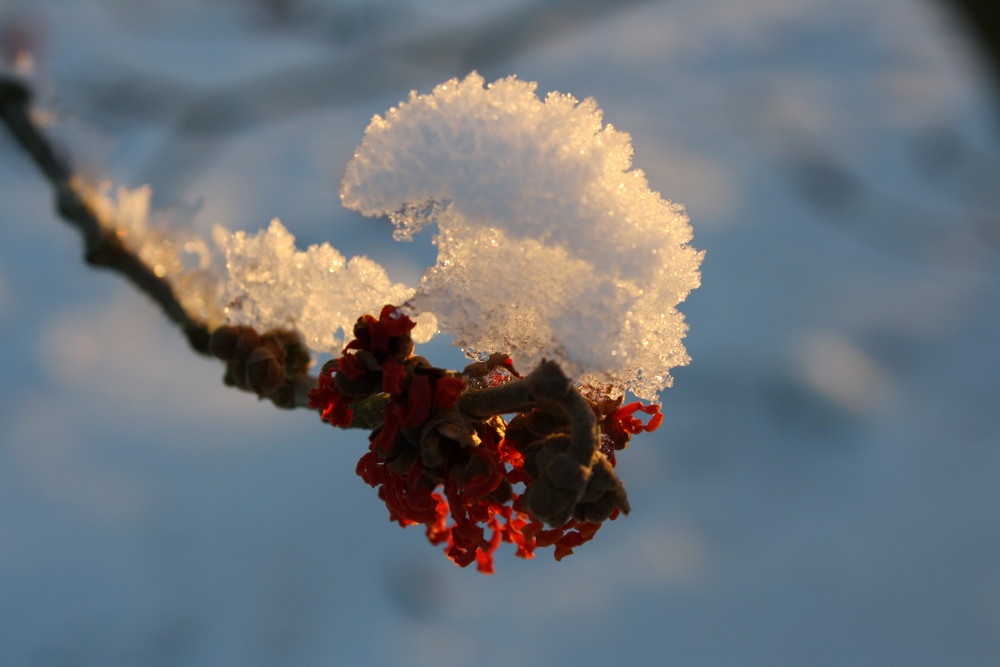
column 103, row 248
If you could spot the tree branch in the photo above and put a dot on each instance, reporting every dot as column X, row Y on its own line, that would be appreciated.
column 103, row 247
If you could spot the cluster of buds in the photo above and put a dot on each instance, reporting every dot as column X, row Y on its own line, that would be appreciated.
column 272, row 365
column 442, row 456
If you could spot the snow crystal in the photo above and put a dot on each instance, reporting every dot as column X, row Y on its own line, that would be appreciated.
column 272, row 284
column 550, row 245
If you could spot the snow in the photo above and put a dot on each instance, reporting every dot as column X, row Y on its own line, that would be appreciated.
column 550, row 245
column 269, row 283
column 260, row 280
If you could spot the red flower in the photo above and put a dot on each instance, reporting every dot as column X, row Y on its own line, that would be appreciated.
column 420, row 397
column 333, row 406
column 374, row 334
column 460, row 489
column 393, row 373
column 385, row 437
column 350, row 366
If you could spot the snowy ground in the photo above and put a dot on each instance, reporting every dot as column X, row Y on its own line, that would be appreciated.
column 824, row 490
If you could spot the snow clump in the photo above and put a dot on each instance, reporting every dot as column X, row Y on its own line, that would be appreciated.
column 270, row 284
column 550, row 246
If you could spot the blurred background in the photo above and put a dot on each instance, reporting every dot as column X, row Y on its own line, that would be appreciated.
column 825, row 489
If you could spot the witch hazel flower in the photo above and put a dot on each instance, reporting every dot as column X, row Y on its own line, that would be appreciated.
column 553, row 255
column 441, row 456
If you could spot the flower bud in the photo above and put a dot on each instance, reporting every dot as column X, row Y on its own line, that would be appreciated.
column 549, row 504
column 565, row 473
column 247, row 341
column 265, row 373
column 222, row 342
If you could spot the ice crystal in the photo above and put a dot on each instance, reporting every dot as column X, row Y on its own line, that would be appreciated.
column 550, row 244
column 320, row 293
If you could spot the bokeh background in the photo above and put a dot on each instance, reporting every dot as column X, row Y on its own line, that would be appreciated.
column 825, row 489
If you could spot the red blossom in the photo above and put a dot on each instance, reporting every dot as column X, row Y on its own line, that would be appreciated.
column 393, row 373
column 350, row 366
column 459, row 498
column 418, row 406
column 390, row 323
column 482, row 485
column 334, row 407
column 385, row 437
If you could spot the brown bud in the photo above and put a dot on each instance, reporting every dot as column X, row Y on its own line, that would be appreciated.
column 449, row 424
column 246, row 342
column 547, row 503
column 477, row 467
column 265, row 373
column 222, row 342
column 565, row 473
column 361, row 326
column 295, row 353
column 395, row 448
column 401, row 347
column 416, row 363
column 542, row 422
column 543, row 451
column 431, row 452
column 603, row 495
column 404, row 460
column 597, row 511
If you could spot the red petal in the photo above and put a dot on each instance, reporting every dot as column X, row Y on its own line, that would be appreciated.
column 393, row 373
column 623, row 417
column 394, row 321
column 447, row 390
column 418, row 406
column 350, row 366
column 386, row 435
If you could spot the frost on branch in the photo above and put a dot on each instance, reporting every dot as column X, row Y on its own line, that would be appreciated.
column 550, row 245
column 178, row 255
column 257, row 280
